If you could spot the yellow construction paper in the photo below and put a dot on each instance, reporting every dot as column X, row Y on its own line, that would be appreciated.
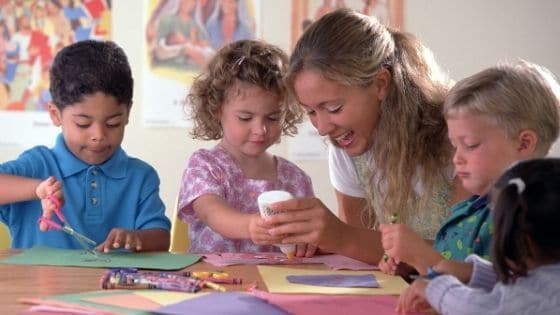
column 167, row 297
column 275, row 280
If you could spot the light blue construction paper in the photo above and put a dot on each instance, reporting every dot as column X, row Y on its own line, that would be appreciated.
column 80, row 258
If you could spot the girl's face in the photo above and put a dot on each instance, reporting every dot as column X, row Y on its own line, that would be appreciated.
column 251, row 120
column 93, row 129
column 482, row 151
column 346, row 114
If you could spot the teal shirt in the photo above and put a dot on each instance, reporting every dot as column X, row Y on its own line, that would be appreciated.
column 467, row 231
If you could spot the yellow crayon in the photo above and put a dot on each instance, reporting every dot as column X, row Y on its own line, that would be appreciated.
column 214, row 286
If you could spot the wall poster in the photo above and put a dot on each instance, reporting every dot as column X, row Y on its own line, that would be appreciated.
column 31, row 33
column 180, row 36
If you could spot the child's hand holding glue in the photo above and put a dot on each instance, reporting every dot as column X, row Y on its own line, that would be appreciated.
column 270, row 197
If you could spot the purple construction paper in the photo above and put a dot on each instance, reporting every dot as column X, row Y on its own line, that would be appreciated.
column 336, row 280
column 227, row 303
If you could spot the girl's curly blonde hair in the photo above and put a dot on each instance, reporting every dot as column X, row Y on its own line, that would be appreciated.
column 246, row 61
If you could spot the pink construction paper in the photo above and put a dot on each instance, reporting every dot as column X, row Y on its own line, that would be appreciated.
column 332, row 304
column 336, row 262
column 40, row 304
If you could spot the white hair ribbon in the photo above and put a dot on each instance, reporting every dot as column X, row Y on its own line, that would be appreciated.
column 519, row 183
column 239, row 61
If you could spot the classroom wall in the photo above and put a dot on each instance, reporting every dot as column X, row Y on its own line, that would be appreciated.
column 466, row 36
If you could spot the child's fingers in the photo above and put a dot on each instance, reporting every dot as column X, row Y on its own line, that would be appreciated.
column 263, row 238
column 388, row 266
column 113, row 240
column 48, row 209
column 119, row 240
column 301, row 249
column 310, row 250
column 132, row 241
column 101, row 247
column 43, row 227
column 384, row 267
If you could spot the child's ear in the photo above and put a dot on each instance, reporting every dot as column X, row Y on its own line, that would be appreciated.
column 381, row 83
column 55, row 114
column 527, row 142
column 128, row 114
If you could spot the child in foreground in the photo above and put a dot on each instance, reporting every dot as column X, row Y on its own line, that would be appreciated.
column 495, row 118
column 240, row 99
column 524, row 276
column 108, row 196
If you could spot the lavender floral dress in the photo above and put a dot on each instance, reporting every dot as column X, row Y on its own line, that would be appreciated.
column 215, row 172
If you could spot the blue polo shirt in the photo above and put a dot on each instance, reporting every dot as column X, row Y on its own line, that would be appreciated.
column 123, row 193
column 467, row 231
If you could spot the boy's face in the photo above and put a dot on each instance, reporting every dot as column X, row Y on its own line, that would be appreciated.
column 482, row 151
column 93, row 129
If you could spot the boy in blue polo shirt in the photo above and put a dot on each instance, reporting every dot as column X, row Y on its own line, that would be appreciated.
column 108, row 196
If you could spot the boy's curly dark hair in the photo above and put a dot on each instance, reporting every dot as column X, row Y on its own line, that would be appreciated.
column 248, row 61
column 87, row 67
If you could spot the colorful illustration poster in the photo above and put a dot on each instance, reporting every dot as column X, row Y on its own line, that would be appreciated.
column 305, row 12
column 31, row 33
column 181, row 36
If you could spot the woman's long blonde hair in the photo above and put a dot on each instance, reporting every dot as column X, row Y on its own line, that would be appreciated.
column 411, row 141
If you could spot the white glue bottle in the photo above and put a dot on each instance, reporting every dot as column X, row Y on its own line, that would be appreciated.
column 270, row 197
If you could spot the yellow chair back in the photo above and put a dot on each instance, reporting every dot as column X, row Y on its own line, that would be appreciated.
column 179, row 242
column 5, row 239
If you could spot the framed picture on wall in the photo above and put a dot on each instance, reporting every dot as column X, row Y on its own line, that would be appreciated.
column 31, row 34
column 305, row 12
column 181, row 36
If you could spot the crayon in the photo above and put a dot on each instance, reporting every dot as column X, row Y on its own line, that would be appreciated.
column 224, row 280
column 213, row 276
column 178, row 286
column 206, row 274
column 214, row 286
column 139, row 286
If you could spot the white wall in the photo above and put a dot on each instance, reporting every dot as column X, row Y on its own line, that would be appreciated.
column 465, row 36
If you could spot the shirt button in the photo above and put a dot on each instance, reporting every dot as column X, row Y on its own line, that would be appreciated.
column 94, row 172
column 93, row 184
column 94, row 201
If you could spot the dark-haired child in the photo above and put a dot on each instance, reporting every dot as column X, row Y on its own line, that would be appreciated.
column 108, row 196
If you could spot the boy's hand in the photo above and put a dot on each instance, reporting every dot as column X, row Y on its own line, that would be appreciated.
column 258, row 229
column 120, row 238
column 49, row 187
column 404, row 245
column 388, row 266
column 414, row 297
